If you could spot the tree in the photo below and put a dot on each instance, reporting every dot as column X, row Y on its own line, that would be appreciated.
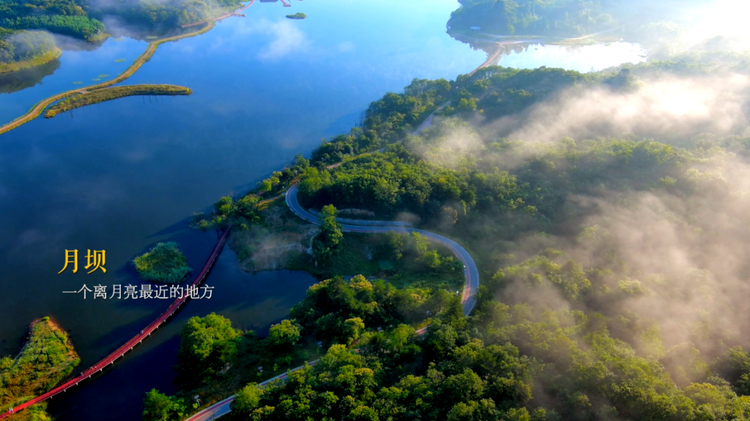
column 327, row 243
column 300, row 163
column 160, row 407
column 223, row 206
column 246, row 401
column 284, row 334
column 207, row 344
column 353, row 328
column 467, row 105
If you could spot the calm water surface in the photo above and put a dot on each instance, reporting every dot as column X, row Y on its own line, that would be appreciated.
column 124, row 175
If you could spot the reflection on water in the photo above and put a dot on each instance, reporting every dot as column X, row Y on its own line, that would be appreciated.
column 535, row 52
column 582, row 58
column 16, row 81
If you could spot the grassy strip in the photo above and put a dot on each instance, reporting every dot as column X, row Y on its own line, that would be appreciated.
column 46, row 359
column 36, row 61
column 108, row 94
column 37, row 110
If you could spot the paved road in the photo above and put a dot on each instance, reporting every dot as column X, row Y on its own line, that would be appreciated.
column 471, row 273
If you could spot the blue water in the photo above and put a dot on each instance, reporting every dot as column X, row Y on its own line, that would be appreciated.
column 75, row 66
column 123, row 175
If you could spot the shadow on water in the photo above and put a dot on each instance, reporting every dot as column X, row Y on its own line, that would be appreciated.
column 181, row 225
column 114, row 340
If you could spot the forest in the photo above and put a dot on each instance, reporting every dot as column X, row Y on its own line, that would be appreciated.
column 655, row 25
column 58, row 16
column 566, row 18
column 611, row 243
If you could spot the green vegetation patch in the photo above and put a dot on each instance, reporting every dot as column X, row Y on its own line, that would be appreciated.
column 78, row 83
column 297, row 16
column 107, row 94
column 404, row 260
column 25, row 49
column 119, row 60
column 46, row 358
column 163, row 263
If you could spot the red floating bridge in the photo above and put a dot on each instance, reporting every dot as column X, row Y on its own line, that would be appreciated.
column 129, row 345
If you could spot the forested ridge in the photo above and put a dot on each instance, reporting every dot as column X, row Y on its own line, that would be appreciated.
column 578, row 238
column 613, row 265
column 533, row 17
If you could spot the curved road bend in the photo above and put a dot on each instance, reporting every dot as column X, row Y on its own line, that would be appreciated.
column 132, row 343
column 471, row 273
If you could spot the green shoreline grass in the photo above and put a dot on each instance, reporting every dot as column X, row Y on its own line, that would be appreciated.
column 27, row 64
column 108, row 94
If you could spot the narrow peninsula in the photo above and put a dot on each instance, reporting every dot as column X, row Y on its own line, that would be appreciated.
column 46, row 358
column 85, row 98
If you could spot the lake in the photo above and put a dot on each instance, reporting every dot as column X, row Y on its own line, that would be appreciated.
column 123, row 175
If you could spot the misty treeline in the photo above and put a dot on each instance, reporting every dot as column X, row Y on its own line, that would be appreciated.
column 64, row 17
column 155, row 14
column 24, row 45
column 648, row 21
column 533, row 17
column 614, row 258
column 83, row 18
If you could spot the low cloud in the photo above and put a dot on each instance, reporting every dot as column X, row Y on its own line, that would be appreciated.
column 665, row 107
column 285, row 39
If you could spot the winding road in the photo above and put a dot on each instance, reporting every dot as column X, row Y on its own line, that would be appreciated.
column 471, row 273
column 468, row 299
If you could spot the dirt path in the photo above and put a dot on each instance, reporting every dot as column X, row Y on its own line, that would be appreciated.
column 37, row 109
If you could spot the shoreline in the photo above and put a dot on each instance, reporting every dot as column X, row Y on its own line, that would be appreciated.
column 31, row 63
column 37, row 109
column 108, row 94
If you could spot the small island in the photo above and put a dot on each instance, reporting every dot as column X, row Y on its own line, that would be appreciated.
column 21, row 50
column 84, row 98
column 47, row 357
column 163, row 263
column 297, row 15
